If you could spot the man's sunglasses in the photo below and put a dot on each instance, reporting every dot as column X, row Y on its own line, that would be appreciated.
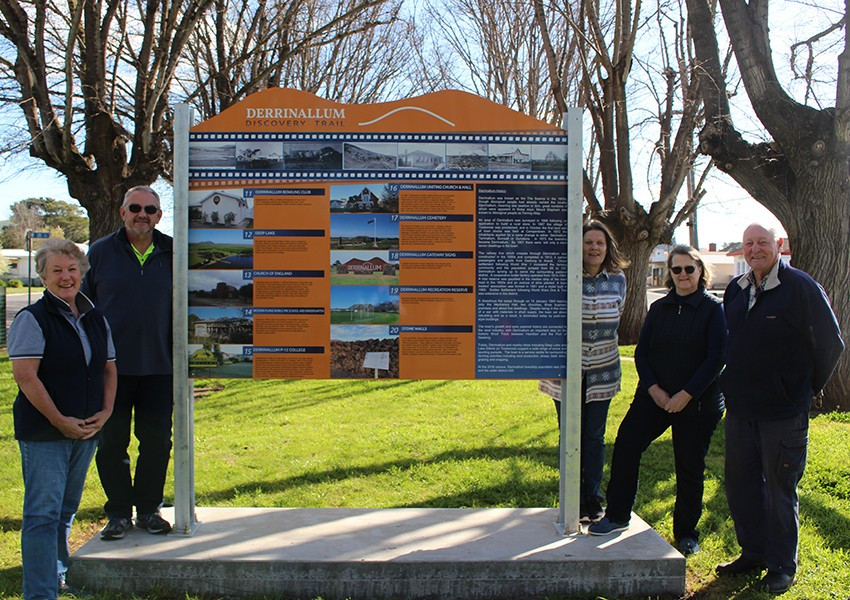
column 689, row 269
column 150, row 209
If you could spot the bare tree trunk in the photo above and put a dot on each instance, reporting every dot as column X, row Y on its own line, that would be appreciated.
column 635, row 309
column 800, row 176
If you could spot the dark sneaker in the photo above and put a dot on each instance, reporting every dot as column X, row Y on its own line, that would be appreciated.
column 153, row 523
column 688, row 546
column 739, row 566
column 776, row 583
column 116, row 528
column 594, row 510
column 606, row 527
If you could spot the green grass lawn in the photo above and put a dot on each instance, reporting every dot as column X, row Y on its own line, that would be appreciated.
column 394, row 443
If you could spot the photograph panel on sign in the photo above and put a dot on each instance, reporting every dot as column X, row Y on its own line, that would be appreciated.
column 220, row 249
column 212, row 155
column 363, row 231
column 466, row 157
column 259, row 156
column 359, row 351
column 231, row 361
column 323, row 155
column 364, row 197
column 220, row 288
column 551, row 158
column 209, row 325
column 370, row 155
column 363, row 305
column 422, row 156
column 363, row 267
column 509, row 157
column 215, row 209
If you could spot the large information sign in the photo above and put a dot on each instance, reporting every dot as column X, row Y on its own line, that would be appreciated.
column 419, row 239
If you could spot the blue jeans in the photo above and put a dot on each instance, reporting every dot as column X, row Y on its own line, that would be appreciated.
column 594, row 417
column 54, row 477
column 765, row 461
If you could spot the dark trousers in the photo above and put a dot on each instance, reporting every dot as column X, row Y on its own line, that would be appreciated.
column 150, row 398
column 643, row 423
column 594, row 416
column 765, row 461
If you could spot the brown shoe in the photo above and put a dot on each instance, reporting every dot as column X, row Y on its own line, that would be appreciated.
column 739, row 566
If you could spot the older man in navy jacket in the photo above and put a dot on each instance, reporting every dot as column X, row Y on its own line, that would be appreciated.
column 130, row 281
column 783, row 345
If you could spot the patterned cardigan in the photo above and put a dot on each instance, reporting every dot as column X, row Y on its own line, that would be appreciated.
column 603, row 297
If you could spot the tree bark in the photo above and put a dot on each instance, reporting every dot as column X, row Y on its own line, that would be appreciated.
column 800, row 176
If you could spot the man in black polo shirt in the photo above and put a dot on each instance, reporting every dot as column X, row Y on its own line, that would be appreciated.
column 130, row 280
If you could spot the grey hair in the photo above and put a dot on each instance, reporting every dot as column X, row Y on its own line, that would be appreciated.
column 139, row 188
column 53, row 246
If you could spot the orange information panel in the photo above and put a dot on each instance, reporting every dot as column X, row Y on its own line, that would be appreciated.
column 418, row 239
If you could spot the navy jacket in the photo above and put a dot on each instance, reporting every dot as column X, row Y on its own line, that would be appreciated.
column 75, row 388
column 781, row 353
column 681, row 348
column 135, row 299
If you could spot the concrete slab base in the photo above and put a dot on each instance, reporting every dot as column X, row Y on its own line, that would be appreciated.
column 409, row 553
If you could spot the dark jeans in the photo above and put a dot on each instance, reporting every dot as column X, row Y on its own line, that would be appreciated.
column 594, row 416
column 765, row 461
column 643, row 423
column 150, row 397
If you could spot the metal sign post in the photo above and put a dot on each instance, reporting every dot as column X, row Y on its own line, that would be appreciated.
column 185, row 522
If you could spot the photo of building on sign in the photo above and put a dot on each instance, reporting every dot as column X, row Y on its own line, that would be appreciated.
column 259, row 155
column 371, row 198
column 430, row 157
column 363, row 268
column 549, row 158
column 220, row 288
column 510, row 157
column 220, row 326
column 466, row 157
column 325, row 155
column 220, row 360
column 220, row 209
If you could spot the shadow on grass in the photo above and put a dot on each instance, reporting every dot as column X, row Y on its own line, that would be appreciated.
column 320, row 391
column 477, row 497
column 85, row 514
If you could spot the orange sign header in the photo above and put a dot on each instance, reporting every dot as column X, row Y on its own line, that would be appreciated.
column 283, row 110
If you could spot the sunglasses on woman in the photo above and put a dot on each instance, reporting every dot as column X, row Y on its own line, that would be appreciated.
column 689, row 269
column 150, row 209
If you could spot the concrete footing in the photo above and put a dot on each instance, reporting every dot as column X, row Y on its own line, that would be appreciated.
column 407, row 553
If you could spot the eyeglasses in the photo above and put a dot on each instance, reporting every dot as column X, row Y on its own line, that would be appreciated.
column 150, row 209
column 689, row 269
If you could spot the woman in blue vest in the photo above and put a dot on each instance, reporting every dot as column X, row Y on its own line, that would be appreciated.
column 678, row 358
column 63, row 361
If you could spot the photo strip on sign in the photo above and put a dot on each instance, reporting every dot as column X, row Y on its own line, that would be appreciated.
column 429, row 231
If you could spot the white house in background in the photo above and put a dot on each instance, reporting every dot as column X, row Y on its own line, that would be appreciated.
column 721, row 264
column 223, row 204
column 19, row 264
column 741, row 266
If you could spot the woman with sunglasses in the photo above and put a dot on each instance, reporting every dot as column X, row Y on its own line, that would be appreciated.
column 678, row 357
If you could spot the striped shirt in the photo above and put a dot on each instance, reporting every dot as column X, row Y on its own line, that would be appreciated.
column 603, row 297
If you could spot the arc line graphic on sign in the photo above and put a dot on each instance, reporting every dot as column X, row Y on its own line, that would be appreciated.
column 407, row 108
